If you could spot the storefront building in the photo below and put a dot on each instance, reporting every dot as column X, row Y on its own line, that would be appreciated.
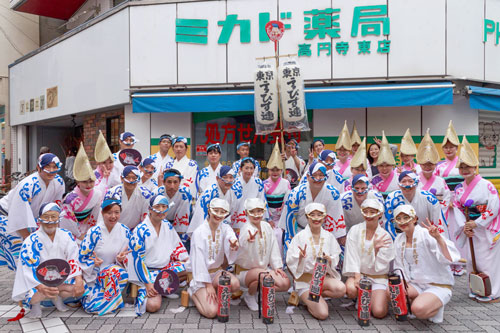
column 187, row 68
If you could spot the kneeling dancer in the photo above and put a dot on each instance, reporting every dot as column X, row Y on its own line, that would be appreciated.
column 259, row 249
column 48, row 242
column 309, row 244
column 210, row 242
column 425, row 257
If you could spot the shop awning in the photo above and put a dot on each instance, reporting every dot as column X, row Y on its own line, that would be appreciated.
column 484, row 98
column 386, row 95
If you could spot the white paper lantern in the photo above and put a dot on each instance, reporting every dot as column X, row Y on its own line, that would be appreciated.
column 265, row 95
column 292, row 92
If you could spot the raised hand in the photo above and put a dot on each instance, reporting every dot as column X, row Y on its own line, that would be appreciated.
column 97, row 261
column 251, row 238
column 381, row 242
column 302, row 252
column 122, row 256
column 432, row 229
column 377, row 140
column 234, row 245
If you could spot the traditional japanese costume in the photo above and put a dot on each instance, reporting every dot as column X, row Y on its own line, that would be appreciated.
column 135, row 208
column 263, row 253
column 160, row 163
column 202, row 205
column 360, row 255
column 293, row 219
column 254, row 188
column 20, row 206
column 37, row 248
column 81, row 212
column 180, row 210
column 359, row 160
column 424, row 265
column 352, row 211
column 104, row 284
column 207, row 253
column 188, row 168
column 206, row 177
column 408, row 147
column 449, row 168
column 425, row 204
column 344, row 141
column 302, row 272
column 151, row 253
column 482, row 197
column 389, row 184
column 101, row 154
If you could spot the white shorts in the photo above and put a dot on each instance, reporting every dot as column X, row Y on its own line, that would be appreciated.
column 194, row 286
column 242, row 276
column 444, row 294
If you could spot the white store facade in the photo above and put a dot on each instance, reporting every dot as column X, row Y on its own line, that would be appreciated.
column 187, row 68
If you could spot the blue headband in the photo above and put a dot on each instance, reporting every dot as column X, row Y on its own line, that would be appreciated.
column 325, row 154
column 315, row 167
column 214, row 146
column 410, row 174
column 48, row 158
column 158, row 200
column 251, row 159
column 181, row 139
column 110, row 201
column 224, row 170
column 165, row 136
column 128, row 169
column 146, row 162
column 243, row 144
column 49, row 206
column 171, row 173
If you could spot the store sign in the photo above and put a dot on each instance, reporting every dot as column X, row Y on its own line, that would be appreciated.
column 226, row 134
column 491, row 28
column 322, row 31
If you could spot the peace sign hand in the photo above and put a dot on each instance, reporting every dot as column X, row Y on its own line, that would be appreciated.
column 122, row 256
column 251, row 238
column 432, row 229
column 234, row 245
column 381, row 242
column 302, row 252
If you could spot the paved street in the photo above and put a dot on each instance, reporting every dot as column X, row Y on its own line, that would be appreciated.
column 461, row 314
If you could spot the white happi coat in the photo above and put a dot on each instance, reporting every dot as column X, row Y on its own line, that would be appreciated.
column 117, row 165
column 237, row 164
column 202, row 204
column 104, row 184
column 487, row 232
column 160, row 163
column 352, row 211
column 80, row 213
column 242, row 191
column 207, row 254
column 135, row 208
column 151, row 184
column 290, row 164
column 328, row 244
column 360, row 254
column 188, row 169
column 179, row 211
column 334, row 178
column 37, row 248
column 447, row 168
column 261, row 253
column 424, row 263
column 293, row 219
column 154, row 250
column 23, row 202
column 426, row 205
column 206, row 177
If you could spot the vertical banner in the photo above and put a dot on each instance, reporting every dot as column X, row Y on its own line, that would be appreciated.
column 265, row 99
column 293, row 103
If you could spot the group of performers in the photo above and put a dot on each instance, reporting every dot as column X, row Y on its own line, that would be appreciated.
column 130, row 220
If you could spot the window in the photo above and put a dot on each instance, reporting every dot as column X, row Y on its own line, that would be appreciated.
column 113, row 133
